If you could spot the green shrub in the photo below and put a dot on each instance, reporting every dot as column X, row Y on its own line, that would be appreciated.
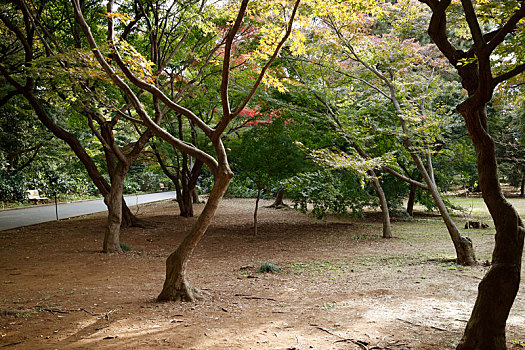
column 125, row 247
column 267, row 267
column 330, row 192
column 12, row 187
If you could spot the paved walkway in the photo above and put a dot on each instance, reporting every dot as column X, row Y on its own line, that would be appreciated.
column 43, row 213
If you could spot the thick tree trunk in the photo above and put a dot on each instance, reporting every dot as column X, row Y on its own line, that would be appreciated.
column 176, row 287
column 114, row 202
column 387, row 229
column 255, row 211
column 186, row 202
column 496, row 292
column 128, row 219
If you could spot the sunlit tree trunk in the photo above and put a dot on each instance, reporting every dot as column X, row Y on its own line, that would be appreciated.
column 176, row 286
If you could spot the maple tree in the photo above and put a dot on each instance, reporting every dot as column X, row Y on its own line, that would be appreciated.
column 389, row 67
column 491, row 53
column 265, row 153
column 45, row 57
column 280, row 17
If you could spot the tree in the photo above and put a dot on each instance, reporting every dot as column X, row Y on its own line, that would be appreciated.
column 176, row 286
column 264, row 153
column 506, row 118
column 492, row 54
column 39, row 41
column 402, row 72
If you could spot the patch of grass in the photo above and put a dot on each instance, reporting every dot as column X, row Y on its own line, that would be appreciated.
column 268, row 267
column 327, row 306
column 125, row 247
column 319, row 267
column 453, row 266
column 392, row 261
column 26, row 314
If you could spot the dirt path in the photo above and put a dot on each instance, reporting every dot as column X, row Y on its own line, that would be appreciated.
column 341, row 286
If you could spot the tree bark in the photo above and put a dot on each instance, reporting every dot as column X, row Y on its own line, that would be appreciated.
column 195, row 195
column 279, row 198
column 497, row 291
column 114, row 203
column 176, row 287
column 412, row 196
column 411, row 200
column 387, row 228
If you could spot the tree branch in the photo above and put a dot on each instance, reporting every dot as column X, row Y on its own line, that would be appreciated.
column 472, row 20
column 506, row 29
column 511, row 73
column 274, row 56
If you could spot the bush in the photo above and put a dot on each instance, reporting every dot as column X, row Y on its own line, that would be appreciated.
column 330, row 192
column 145, row 181
column 268, row 267
column 12, row 187
column 241, row 187
column 125, row 247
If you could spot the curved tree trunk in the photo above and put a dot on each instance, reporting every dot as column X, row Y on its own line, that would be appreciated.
column 387, row 229
column 497, row 291
column 176, row 286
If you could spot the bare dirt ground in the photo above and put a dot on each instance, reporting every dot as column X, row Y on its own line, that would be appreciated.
column 341, row 286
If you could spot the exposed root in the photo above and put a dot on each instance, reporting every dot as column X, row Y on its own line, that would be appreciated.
column 183, row 293
column 467, row 257
column 143, row 223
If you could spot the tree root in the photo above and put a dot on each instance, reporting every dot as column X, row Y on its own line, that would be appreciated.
column 143, row 223
column 183, row 293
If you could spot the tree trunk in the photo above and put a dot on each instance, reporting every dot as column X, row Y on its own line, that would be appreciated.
column 186, row 202
column 387, row 229
column 411, row 200
column 522, row 187
column 496, row 292
column 114, row 202
column 278, row 203
column 412, row 196
column 195, row 195
column 462, row 245
column 255, row 211
column 176, row 286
